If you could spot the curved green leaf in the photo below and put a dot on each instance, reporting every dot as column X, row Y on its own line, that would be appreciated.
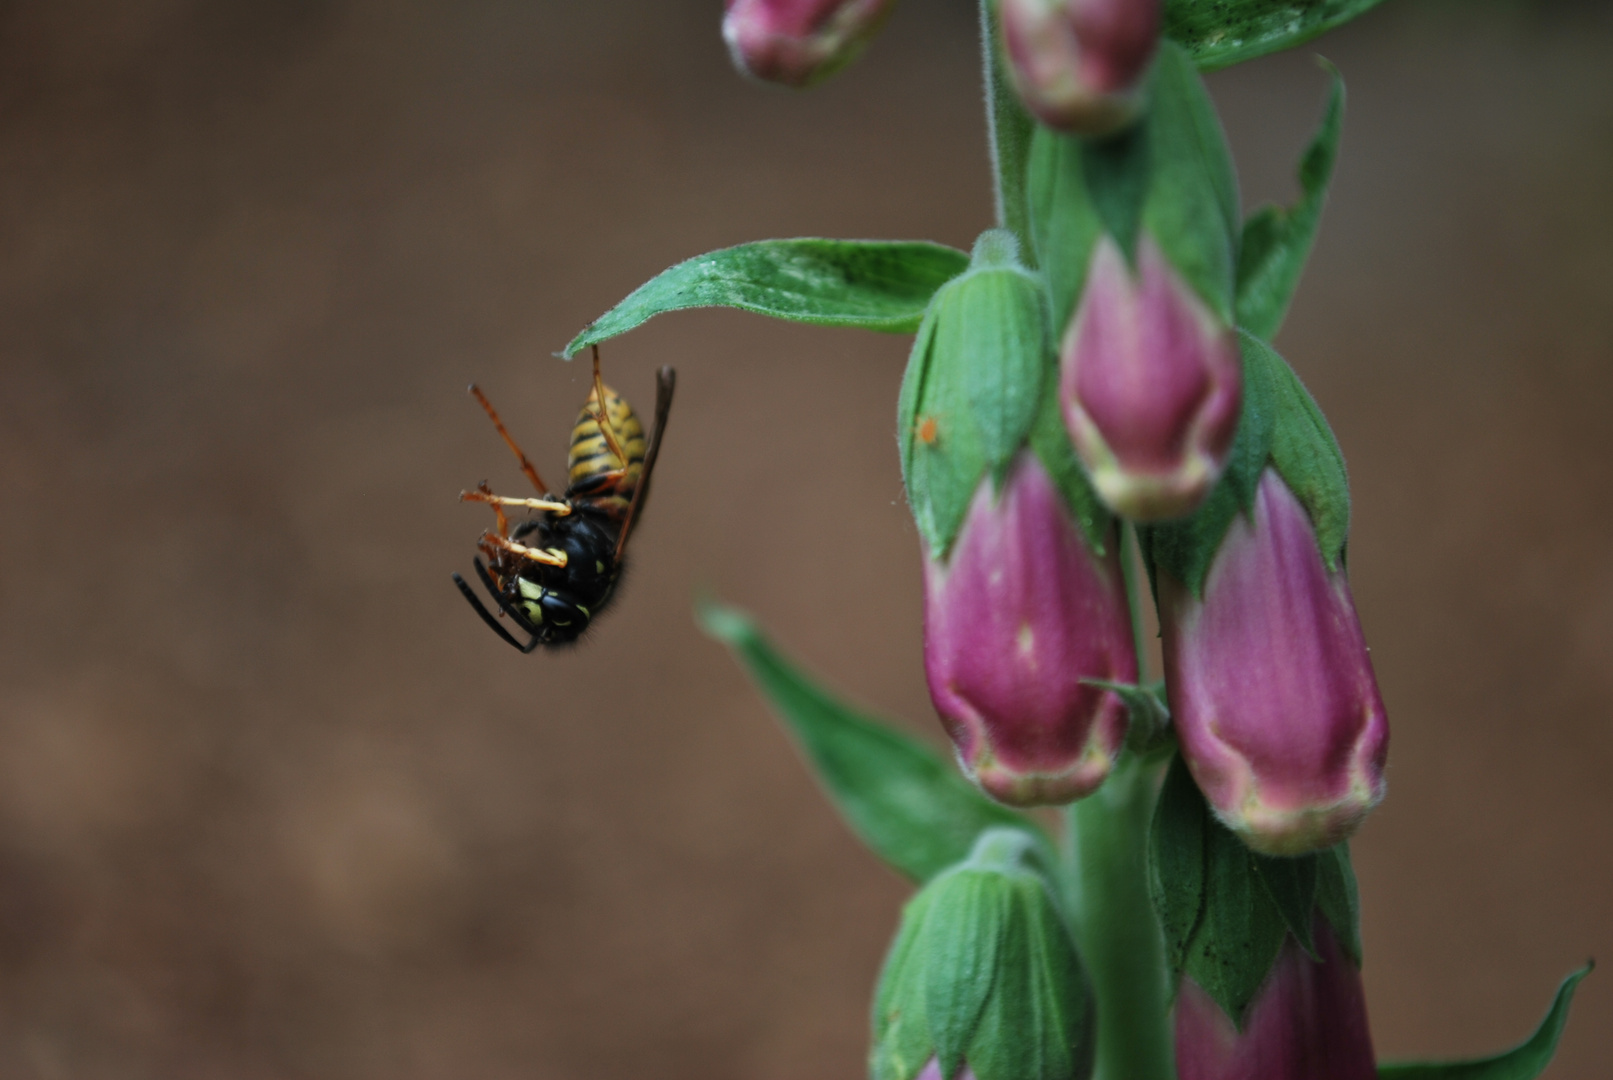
column 872, row 284
column 1219, row 33
column 1523, row 1062
column 1277, row 239
column 900, row 797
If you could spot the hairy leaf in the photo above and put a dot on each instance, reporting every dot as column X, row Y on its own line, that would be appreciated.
column 1277, row 240
column 901, row 798
column 872, row 284
column 1525, row 1061
column 1218, row 33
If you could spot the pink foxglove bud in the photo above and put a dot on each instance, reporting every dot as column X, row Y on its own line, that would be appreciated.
column 1150, row 380
column 1271, row 688
column 798, row 42
column 1309, row 1022
column 1079, row 64
column 1016, row 618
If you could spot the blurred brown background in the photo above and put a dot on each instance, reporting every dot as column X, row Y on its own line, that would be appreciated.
column 274, row 804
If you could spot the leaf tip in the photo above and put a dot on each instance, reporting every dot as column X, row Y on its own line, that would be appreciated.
column 728, row 625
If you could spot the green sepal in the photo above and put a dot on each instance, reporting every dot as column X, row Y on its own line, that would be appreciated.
column 1064, row 221
column 1176, row 861
column 1050, row 442
column 871, row 284
column 1117, row 174
column 1241, row 930
column 1307, row 456
column 902, row 799
column 1291, row 885
column 1277, row 239
column 1219, row 33
column 973, row 381
column 1338, row 898
column 1192, row 206
column 1186, row 548
column 1525, row 1061
column 1225, row 910
column 984, row 973
column 1148, row 716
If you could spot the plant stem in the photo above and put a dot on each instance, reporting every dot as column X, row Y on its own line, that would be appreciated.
column 1115, row 926
column 1009, row 129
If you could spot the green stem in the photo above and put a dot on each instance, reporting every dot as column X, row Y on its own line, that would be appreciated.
column 1009, row 128
column 1115, row 926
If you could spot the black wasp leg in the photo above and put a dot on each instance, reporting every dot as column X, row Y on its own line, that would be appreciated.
column 487, row 616
column 504, row 605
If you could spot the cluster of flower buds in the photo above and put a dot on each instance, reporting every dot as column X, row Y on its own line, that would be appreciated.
column 799, row 42
column 1039, row 407
column 1025, row 613
column 982, row 948
column 1308, row 1021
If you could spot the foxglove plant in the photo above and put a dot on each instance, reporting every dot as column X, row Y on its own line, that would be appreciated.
column 1091, row 413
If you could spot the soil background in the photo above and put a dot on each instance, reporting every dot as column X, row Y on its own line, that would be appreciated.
column 274, row 804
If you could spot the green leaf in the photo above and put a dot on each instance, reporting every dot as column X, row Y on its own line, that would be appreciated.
column 972, row 385
column 1291, row 884
column 1523, row 1062
column 1218, row 33
column 1176, row 861
column 872, row 284
column 1305, row 453
column 1277, row 240
column 900, row 797
column 1339, row 899
column 1192, row 206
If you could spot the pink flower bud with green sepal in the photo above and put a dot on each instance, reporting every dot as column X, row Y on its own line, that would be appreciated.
column 1150, row 385
column 1271, row 687
column 1019, row 619
column 799, row 42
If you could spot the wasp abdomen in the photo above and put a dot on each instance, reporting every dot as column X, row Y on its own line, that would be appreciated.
column 597, row 474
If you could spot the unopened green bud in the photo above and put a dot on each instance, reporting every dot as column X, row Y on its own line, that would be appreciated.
column 983, row 979
column 972, row 386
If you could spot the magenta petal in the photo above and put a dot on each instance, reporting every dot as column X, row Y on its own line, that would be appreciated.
column 797, row 42
column 1151, row 385
column 1019, row 615
column 1309, row 1022
column 1271, row 688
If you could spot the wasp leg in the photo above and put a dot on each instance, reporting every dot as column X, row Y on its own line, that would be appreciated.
column 488, row 618
column 482, row 495
column 526, row 466
column 602, row 416
column 537, row 555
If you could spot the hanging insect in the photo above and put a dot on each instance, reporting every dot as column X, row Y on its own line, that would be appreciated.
column 555, row 572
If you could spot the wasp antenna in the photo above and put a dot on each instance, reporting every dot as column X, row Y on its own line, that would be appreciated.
column 486, row 615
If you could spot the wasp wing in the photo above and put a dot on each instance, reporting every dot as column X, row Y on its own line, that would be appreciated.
column 666, row 381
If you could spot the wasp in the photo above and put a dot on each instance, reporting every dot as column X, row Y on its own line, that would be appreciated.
column 555, row 572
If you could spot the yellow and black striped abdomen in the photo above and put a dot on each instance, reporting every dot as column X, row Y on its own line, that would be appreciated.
column 594, row 467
